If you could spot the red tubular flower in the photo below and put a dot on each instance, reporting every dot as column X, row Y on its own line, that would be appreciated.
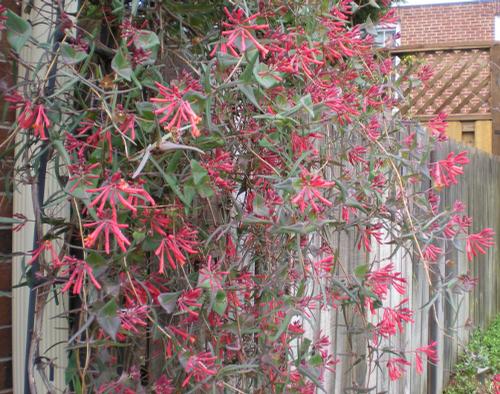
column 393, row 319
column 309, row 192
column 200, row 366
column 431, row 353
column 479, row 242
column 396, row 367
column 113, row 191
column 383, row 278
column 177, row 112
column 46, row 246
column 437, row 127
column 3, row 18
column 445, row 172
column 133, row 318
column 173, row 245
column 189, row 299
column 210, row 277
column 110, row 227
column 366, row 235
column 77, row 270
column 41, row 122
column 238, row 33
column 432, row 252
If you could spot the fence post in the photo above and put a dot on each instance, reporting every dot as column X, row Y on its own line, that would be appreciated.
column 495, row 96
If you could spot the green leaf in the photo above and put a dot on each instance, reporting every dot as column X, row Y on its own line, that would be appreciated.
column 248, row 73
column 70, row 55
column 18, row 30
column 220, row 303
column 95, row 259
column 108, row 319
column 266, row 78
column 148, row 41
column 168, row 301
column 134, row 7
column 200, row 175
column 361, row 270
column 248, row 91
column 121, row 65
column 6, row 220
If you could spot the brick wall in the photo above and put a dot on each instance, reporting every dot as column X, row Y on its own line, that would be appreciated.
column 456, row 22
column 6, row 117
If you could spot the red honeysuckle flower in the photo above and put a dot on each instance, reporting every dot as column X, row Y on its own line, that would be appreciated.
column 383, row 278
column 393, row 319
column 309, row 193
column 445, row 172
column 396, row 367
column 3, row 18
column 113, row 190
column 46, row 246
column 238, row 33
column 432, row 252
column 108, row 226
column 42, row 122
column 431, row 353
column 367, row 233
column 177, row 112
column 173, row 245
column 479, row 242
column 437, row 127
column 188, row 300
column 200, row 366
column 210, row 277
column 77, row 270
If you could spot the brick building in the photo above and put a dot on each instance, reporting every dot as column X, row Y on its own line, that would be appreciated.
column 458, row 40
column 426, row 24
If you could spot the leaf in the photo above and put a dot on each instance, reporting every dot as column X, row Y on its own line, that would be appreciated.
column 121, row 65
column 7, row 220
column 108, row 319
column 70, row 55
column 248, row 91
column 18, row 30
column 148, row 41
column 361, row 270
column 266, row 78
column 134, row 6
column 168, row 301
column 200, row 175
column 220, row 303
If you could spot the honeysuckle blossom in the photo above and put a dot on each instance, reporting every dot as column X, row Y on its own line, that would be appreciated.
column 113, row 191
column 200, row 366
column 444, row 172
column 177, row 111
column 174, row 246
column 437, row 127
column 396, row 367
column 77, row 271
column 189, row 300
column 107, row 225
column 237, row 33
column 479, row 242
column 431, row 353
column 43, row 247
column 310, row 184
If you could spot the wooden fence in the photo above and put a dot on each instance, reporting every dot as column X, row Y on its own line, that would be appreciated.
column 465, row 85
column 454, row 316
